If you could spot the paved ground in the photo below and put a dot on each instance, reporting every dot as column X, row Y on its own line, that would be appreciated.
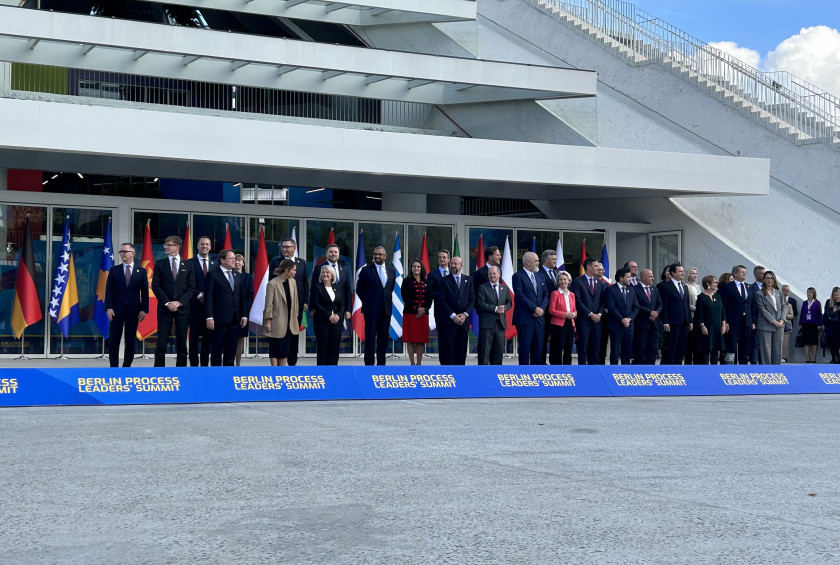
column 534, row 481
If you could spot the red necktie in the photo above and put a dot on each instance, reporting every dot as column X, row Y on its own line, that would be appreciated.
column 127, row 274
column 174, row 270
column 204, row 266
column 647, row 291
column 592, row 286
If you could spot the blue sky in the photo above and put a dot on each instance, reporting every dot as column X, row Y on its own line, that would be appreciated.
column 756, row 24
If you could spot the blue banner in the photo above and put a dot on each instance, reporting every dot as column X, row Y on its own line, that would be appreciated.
column 85, row 386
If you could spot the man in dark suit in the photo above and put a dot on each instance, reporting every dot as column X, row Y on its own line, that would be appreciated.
column 126, row 304
column 433, row 282
column 589, row 301
column 492, row 258
column 287, row 251
column 226, row 300
column 549, row 277
column 343, row 280
column 646, row 334
column 622, row 308
column 529, row 310
column 457, row 299
column 173, row 282
column 676, row 315
column 738, row 302
column 492, row 302
column 200, row 337
column 375, row 288
column 758, row 274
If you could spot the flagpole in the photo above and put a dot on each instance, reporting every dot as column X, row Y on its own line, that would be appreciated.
column 23, row 356
column 103, row 356
column 144, row 356
column 62, row 356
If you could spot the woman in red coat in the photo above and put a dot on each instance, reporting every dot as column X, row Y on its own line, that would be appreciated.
column 562, row 309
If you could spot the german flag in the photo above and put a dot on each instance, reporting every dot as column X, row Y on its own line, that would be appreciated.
column 27, row 308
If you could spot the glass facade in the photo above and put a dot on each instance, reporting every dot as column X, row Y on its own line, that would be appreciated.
column 573, row 246
column 214, row 228
column 12, row 232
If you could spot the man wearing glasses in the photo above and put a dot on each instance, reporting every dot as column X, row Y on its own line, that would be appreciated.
column 287, row 251
column 173, row 282
column 126, row 304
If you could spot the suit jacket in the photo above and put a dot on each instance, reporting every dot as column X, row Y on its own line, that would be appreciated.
column 300, row 278
column 643, row 322
column 557, row 308
column 620, row 306
column 586, row 301
column 322, row 306
column 277, row 309
column 815, row 311
column 792, row 301
column 527, row 301
column 770, row 308
column 376, row 299
column 675, row 308
column 222, row 303
column 167, row 290
column 127, row 300
column 199, row 273
column 739, row 310
column 345, row 286
column 480, row 277
column 456, row 300
column 433, row 282
column 486, row 303
column 550, row 285
column 410, row 295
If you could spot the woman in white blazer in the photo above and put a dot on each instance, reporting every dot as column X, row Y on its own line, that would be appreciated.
column 770, row 324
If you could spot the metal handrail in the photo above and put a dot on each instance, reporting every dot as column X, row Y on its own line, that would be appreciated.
column 813, row 112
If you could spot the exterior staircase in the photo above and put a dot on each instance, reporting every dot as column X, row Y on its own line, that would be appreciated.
column 781, row 102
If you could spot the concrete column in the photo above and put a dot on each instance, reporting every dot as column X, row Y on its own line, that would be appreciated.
column 444, row 204
column 4, row 180
column 5, row 76
column 400, row 202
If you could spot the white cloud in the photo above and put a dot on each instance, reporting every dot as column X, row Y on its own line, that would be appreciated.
column 813, row 55
column 745, row 54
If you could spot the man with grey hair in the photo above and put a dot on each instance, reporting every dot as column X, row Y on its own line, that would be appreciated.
column 549, row 277
column 529, row 309
column 492, row 303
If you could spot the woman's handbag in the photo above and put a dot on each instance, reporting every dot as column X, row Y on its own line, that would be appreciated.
column 798, row 341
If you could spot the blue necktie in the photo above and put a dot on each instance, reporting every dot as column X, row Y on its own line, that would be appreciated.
column 230, row 279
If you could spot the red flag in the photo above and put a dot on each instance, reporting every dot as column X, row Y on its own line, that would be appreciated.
column 186, row 249
column 228, row 244
column 260, row 284
column 424, row 255
column 148, row 326
column 27, row 307
column 582, row 256
column 479, row 254
column 331, row 238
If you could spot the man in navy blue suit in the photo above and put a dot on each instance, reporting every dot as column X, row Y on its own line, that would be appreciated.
column 226, row 301
column 126, row 304
column 456, row 299
column 622, row 307
column 549, row 277
column 589, row 296
column 200, row 337
column 530, row 303
column 173, row 282
column 676, row 315
column 433, row 282
column 646, row 334
column 738, row 303
column 375, row 288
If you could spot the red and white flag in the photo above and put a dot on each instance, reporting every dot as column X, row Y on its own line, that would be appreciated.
column 255, row 317
column 507, row 279
column 356, row 317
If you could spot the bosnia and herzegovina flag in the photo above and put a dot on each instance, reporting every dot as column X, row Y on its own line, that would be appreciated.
column 27, row 307
column 105, row 264
column 64, row 298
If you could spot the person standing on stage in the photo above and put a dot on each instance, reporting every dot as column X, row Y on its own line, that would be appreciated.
column 225, row 307
column 126, row 304
column 287, row 251
column 173, row 282
column 375, row 289
column 201, row 338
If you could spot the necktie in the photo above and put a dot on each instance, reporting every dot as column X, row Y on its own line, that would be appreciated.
column 445, row 272
column 230, row 279
column 680, row 286
column 204, row 266
column 335, row 269
column 592, row 286
column 382, row 276
column 174, row 269
column 647, row 291
column 533, row 281
column 127, row 274
column 496, row 292
column 743, row 291
column 552, row 275
column 458, row 281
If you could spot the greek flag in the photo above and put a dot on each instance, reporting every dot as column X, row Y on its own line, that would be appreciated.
column 397, row 308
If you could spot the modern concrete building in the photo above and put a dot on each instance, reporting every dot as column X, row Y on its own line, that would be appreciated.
column 529, row 120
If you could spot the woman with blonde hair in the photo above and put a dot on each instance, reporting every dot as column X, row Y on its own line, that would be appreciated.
column 280, row 318
column 692, row 356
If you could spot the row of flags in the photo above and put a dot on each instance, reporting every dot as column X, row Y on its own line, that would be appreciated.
column 64, row 298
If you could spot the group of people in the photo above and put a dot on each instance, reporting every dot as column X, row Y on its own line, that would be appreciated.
column 687, row 320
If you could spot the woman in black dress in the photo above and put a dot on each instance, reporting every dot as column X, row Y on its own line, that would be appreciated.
column 710, row 321
column 831, row 320
column 248, row 281
column 327, row 307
